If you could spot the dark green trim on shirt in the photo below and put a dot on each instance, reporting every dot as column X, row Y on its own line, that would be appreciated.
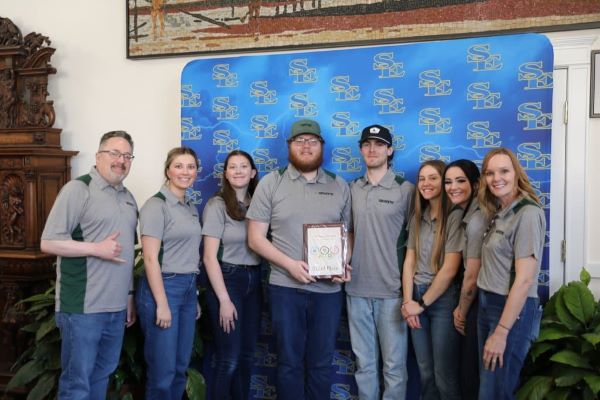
column 282, row 170
column 73, row 278
column 401, row 247
column 87, row 178
column 161, row 196
column 331, row 174
column 399, row 180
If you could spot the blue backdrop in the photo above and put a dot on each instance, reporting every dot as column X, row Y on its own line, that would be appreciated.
column 441, row 100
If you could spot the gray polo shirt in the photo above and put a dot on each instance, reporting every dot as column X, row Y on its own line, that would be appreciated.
column 517, row 232
column 473, row 226
column 89, row 209
column 454, row 242
column 232, row 233
column 380, row 215
column 286, row 200
column 177, row 225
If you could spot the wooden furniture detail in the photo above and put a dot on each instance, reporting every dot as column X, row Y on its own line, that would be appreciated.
column 33, row 168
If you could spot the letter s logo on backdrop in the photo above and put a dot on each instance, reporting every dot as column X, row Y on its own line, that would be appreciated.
column 303, row 105
column 340, row 85
column 301, row 72
column 342, row 121
column 260, row 90
column 224, row 77
column 387, row 67
column 263, row 128
column 481, row 55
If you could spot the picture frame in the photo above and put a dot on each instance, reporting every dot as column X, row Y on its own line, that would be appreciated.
column 162, row 28
column 325, row 249
column 595, row 85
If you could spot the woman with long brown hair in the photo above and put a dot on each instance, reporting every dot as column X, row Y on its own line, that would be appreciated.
column 432, row 261
column 509, row 312
column 234, row 294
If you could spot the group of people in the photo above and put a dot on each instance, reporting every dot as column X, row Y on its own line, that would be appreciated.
column 453, row 261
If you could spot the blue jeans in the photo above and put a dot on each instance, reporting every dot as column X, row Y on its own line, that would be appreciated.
column 469, row 367
column 437, row 346
column 377, row 325
column 305, row 326
column 235, row 350
column 502, row 383
column 168, row 351
column 90, row 351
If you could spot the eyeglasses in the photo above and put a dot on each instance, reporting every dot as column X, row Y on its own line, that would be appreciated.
column 116, row 154
column 302, row 141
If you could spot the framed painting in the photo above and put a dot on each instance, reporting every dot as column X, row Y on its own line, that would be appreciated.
column 595, row 85
column 158, row 28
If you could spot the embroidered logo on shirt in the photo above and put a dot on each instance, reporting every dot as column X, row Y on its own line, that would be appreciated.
column 386, row 201
column 326, row 193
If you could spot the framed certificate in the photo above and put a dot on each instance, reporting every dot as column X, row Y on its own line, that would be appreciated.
column 325, row 249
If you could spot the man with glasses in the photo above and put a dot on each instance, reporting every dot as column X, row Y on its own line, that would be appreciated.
column 91, row 228
column 305, row 311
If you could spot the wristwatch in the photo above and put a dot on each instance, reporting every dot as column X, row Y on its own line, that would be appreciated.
column 422, row 304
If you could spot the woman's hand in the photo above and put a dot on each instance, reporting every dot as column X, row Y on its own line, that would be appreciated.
column 227, row 316
column 163, row 316
column 459, row 321
column 493, row 351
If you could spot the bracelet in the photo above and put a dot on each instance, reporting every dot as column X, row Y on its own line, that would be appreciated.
column 502, row 326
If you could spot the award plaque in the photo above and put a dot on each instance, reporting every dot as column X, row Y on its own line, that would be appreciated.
column 325, row 249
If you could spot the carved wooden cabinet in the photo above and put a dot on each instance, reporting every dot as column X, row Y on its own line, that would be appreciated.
column 33, row 168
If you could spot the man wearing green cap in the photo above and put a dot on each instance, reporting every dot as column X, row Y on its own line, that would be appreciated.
column 305, row 311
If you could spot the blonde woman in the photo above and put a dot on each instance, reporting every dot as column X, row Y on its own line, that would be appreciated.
column 511, row 257
column 167, row 296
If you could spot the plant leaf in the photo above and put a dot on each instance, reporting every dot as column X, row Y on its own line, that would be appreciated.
column 580, row 301
column 585, row 277
column 195, row 385
column 554, row 333
column 569, row 376
column 571, row 358
column 593, row 382
column 537, row 349
column 45, row 328
column 26, row 374
column 535, row 388
column 563, row 313
column 593, row 338
column 45, row 384
column 558, row 394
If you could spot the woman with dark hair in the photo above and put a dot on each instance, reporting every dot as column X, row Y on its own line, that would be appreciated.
column 432, row 261
column 509, row 312
column 167, row 300
column 234, row 294
column 461, row 181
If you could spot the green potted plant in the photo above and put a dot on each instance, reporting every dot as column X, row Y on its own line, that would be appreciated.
column 38, row 368
column 564, row 362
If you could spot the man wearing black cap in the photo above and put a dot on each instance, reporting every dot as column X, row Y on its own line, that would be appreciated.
column 305, row 312
column 381, row 206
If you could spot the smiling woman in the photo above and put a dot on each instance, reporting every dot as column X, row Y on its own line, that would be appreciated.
column 509, row 311
column 166, row 298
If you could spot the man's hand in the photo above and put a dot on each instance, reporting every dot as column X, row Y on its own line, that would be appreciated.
column 346, row 277
column 109, row 248
column 299, row 272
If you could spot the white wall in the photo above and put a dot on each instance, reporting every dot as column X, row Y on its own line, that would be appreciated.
column 97, row 89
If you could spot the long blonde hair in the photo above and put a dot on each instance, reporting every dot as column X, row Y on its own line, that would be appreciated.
column 437, row 255
column 487, row 201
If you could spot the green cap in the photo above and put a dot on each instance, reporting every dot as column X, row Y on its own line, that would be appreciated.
column 305, row 126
